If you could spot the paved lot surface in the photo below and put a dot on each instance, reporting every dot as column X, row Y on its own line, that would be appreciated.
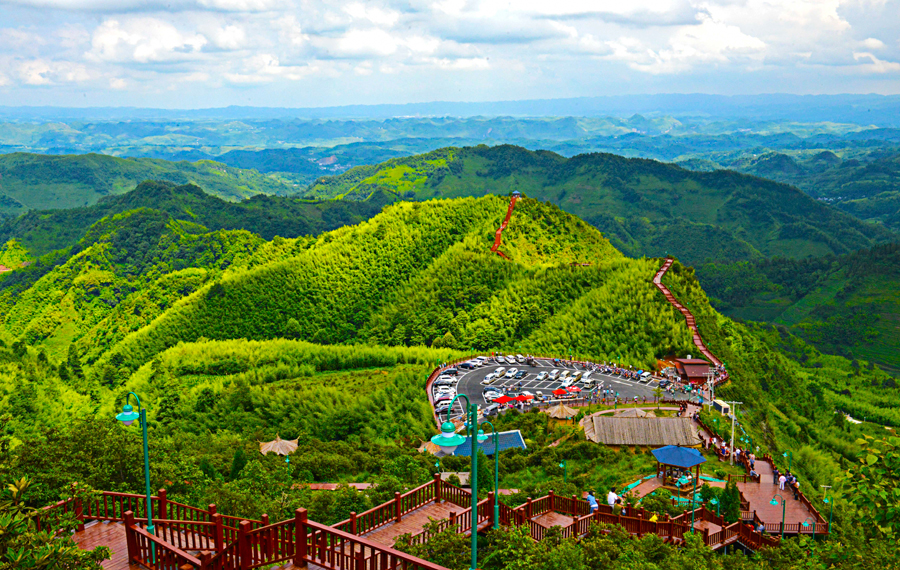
column 470, row 383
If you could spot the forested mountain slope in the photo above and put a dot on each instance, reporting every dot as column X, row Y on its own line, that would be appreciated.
column 35, row 181
column 848, row 305
column 644, row 207
column 42, row 231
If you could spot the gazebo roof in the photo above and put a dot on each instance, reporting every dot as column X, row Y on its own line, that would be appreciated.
column 562, row 412
column 678, row 456
column 279, row 446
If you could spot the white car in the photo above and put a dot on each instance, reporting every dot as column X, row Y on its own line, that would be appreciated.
column 489, row 378
column 511, row 372
column 445, row 390
column 564, row 374
column 554, row 374
column 567, row 382
column 541, row 376
column 501, row 360
column 520, row 359
column 449, row 378
column 500, row 371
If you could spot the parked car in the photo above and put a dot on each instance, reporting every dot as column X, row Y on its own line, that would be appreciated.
column 502, row 360
column 520, row 359
column 541, row 376
column 586, row 378
column 466, row 366
column 480, row 360
column 646, row 377
column 664, row 382
column 564, row 374
column 554, row 374
column 446, row 398
column 520, row 374
column 440, row 382
column 511, row 373
column 492, row 410
column 489, row 378
column 576, row 376
column 442, row 408
column 500, row 371
column 567, row 382
column 451, row 371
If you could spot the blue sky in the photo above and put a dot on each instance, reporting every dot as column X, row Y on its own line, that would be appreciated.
column 207, row 53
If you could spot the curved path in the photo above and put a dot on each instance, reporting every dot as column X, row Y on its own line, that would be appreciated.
column 688, row 317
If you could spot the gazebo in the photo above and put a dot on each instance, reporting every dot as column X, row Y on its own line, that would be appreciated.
column 278, row 446
column 561, row 412
column 681, row 458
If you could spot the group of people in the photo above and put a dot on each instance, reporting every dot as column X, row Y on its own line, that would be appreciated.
column 786, row 479
column 615, row 503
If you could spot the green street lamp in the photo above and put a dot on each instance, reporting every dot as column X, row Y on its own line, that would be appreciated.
column 565, row 467
column 790, row 457
column 694, row 497
column 617, row 401
column 806, row 525
column 496, row 437
column 448, row 441
column 128, row 417
column 829, row 501
column 715, row 502
column 774, row 502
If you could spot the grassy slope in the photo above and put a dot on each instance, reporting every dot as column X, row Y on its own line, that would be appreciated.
column 644, row 207
column 43, row 182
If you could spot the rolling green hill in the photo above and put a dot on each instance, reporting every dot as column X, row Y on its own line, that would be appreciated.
column 848, row 305
column 644, row 207
column 34, row 181
column 42, row 231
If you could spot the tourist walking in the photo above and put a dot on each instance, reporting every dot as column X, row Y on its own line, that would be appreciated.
column 781, row 481
column 611, row 497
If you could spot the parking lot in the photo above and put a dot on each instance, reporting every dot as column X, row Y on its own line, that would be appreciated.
column 469, row 382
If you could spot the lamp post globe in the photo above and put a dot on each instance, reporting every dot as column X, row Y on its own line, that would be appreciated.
column 128, row 415
column 448, row 440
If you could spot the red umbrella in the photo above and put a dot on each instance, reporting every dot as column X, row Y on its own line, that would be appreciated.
column 574, row 389
column 560, row 392
column 503, row 399
column 523, row 398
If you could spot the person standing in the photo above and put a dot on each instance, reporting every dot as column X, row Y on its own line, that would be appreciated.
column 781, row 482
column 611, row 497
column 592, row 502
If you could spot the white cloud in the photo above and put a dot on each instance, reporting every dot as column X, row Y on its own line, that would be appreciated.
column 691, row 46
column 143, row 40
column 228, row 38
column 43, row 72
column 872, row 43
column 377, row 16
column 876, row 65
column 117, row 83
column 369, row 43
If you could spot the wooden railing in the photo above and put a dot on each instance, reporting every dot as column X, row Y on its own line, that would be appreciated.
column 153, row 552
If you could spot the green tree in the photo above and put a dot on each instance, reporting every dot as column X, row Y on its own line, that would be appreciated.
column 872, row 487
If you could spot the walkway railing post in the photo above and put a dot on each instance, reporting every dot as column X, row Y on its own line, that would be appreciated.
column 129, row 537
column 268, row 545
column 551, row 500
column 162, row 505
column 437, row 487
column 79, row 513
column 528, row 510
column 352, row 522
column 218, row 532
column 397, row 506
column 244, row 545
column 360, row 560
column 300, row 550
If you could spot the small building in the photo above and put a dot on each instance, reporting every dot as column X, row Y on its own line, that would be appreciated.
column 650, row 432
column 694, row 370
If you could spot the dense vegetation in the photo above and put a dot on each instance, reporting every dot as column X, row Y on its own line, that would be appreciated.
column 43, row 231
column 845, row 305
column 644, row 207
column 33, row 181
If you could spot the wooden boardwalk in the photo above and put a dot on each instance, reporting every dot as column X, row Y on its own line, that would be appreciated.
column 551, row 519
column 412, row 523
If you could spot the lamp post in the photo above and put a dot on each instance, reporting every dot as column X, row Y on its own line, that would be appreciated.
column 617, row 401
column 496, row 437
column 790, row 457
column 733, row 417
column 448, row 441
column 715, row 502
column 806, row 525
column 564, row 467
column 693, row 496
column 774, row 502
column 128, row 417
column 831, row 502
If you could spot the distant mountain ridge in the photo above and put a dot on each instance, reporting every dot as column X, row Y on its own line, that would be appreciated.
column 644, row 207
